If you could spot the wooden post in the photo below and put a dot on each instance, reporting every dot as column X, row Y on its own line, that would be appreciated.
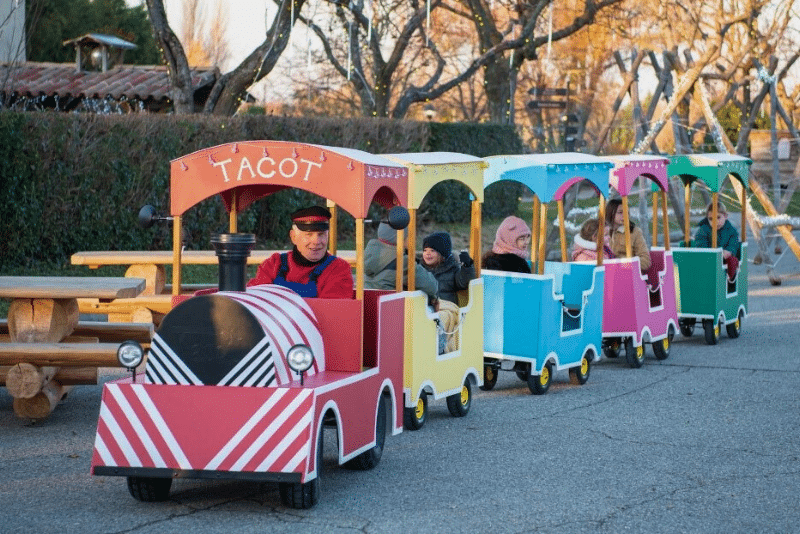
column 333, row 236
column 666, row 219
column 627, row 223
column 687, row 209
column 360, row 259
column 412, row 248
column 24, row 380
column 542, row 237
column 42, row 320
column 601, row 228
column 176, row 254
column 43, row 403
column 713, row 221
column 232, row 216
column 475, row 236
column 655, row 219
column 66, row 376
column 399, row 248
column 535, row 232
column 562, row 232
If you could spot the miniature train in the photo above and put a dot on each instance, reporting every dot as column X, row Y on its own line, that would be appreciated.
column 240, row 382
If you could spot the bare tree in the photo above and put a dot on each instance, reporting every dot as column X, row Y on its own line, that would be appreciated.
column 230, row 89
column 203, row 33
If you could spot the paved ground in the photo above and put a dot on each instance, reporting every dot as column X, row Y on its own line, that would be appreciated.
column 705, row 441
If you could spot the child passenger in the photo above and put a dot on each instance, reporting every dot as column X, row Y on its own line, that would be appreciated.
column 584, row 247
column 616, row 219
column 727, row 237
column 511, row 248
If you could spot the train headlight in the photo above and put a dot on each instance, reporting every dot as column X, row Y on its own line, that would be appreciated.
column 300, row 358
column 130, row 354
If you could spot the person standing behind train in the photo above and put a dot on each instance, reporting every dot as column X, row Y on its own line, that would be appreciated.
column 616, row 219
column 727, row 237
column 452, row 274
column 380, row 265
column 511, row 248
column 584, row 247
column 308, row 269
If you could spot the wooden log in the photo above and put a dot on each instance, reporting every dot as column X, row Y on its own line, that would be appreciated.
column 43, row 403
column 60, row 354
column 98, row 331
column 24, row 380
column 66, row 376
column 154, row 276
column 42, row 320
column 137, row 315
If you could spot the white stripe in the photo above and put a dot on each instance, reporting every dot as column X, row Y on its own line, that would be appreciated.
column 245, row 429
column 268, row 433
column 161, row 425
column 235, row 371
column 301, row 455
column 263, row 382
column 102, row 450
column 141, row 433
column 171, row 359
column 307, row 321
column 154, row 364
column 301, row 425
column 280, row 342
column 119, row 437
column 261, row 368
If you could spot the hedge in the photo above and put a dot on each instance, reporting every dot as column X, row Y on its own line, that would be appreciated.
column 76, row 181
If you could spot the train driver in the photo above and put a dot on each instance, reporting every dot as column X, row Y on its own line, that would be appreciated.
column 308, row 269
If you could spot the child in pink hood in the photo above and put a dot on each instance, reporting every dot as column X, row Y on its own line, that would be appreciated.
column 584, row 247
column 511, row 248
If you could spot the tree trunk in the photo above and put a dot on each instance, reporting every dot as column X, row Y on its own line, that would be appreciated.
column 179, row 72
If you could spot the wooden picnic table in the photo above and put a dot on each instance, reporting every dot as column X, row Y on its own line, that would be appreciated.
column 42, row 315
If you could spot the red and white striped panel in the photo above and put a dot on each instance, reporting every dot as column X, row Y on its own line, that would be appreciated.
column 288, row 320
column 195, row 428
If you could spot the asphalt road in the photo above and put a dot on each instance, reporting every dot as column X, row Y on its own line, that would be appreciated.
column 705, row 441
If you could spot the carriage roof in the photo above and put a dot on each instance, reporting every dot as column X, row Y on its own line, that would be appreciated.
column 550, row 175
column 629, row 167
column 426, row 169
column 712, row 169
column 245, row 171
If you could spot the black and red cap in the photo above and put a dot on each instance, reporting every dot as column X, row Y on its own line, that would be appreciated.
column 312, row 219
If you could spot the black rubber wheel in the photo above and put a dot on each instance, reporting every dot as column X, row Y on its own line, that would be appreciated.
column 304, row 495
column 369, row 459
column 634, row 355
column 687, row 327
column 735, row 328
column 414, row 418
column 580, row 375
column 489, row 376
column 711, row 329
column 611, row 348
column 460, row 403
column 539, row 384
column 147, row 489
column 662, row 347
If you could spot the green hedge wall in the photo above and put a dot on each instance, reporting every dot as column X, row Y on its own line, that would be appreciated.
column 76, row 181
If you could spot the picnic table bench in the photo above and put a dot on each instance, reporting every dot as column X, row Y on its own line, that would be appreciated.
column 45, row 348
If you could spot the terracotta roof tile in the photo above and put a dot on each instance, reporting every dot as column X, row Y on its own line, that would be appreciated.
column 130, row 81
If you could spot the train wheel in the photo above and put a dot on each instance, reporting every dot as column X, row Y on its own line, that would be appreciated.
column 489, row 376
column 711, row 329
column 303, row 495
column 414, row 418
column 612, row 347
column 662, row 347
column 580, row 375
column 149, row 489
column 460, row 403
column 687, row 327
column 634, row 355
column 369, row 459
column 735, row 328
column 539, row 384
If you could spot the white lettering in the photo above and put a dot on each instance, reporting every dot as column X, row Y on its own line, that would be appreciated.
column 262, row 173
column 224, row 170
column 245, row 163
column 308, row 169
column 283, row 172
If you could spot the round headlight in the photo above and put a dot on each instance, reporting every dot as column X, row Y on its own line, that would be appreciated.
column 130, row 354
column 300, row 358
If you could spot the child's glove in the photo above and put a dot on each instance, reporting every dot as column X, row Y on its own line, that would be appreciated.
column 466, row 261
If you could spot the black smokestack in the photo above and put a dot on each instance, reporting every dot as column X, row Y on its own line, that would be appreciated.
column 232, row 252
